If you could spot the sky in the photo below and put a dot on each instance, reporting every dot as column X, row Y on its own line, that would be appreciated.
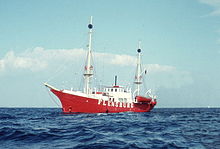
column 46, row 41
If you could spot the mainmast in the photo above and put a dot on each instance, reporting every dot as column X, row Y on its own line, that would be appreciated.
column 88, row 73
column 138, row 74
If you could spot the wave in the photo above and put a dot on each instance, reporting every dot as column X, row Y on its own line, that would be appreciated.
column 161, row 128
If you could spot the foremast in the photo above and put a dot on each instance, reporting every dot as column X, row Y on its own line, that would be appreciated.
column 88, row 72
column 138, row 74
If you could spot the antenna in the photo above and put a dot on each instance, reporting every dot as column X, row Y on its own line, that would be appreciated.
column 115, row 80
column 90, row 19
column 139, row 44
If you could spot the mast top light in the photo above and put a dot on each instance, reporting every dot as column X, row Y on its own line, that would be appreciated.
column 139, row 50
column 90, row 26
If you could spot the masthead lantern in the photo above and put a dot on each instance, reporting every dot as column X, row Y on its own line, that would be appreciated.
column 90, row 26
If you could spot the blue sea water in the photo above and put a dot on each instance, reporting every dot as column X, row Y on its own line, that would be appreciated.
column 160, row 128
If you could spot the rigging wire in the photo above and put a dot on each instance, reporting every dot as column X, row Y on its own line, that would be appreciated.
column 94, row 70
column 58, row 71
column 80, row 86
column 53, row 98
column 144, row 83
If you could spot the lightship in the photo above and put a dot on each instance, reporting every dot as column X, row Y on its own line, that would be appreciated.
column 111, row 99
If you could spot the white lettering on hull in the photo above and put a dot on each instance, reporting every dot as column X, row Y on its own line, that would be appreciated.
column 109, row 103
column 99, row 102
column 104, row 104
column 115, row 104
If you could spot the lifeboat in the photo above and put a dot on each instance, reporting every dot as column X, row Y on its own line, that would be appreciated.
column 143, row 99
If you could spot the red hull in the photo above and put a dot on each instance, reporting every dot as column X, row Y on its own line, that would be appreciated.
column 74, row 103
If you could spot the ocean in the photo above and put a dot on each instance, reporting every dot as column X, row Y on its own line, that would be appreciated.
column 161, row 128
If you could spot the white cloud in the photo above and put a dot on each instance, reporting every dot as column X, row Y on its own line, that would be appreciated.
column 37, row 59
column 156, row 68
column 11, row 61
column 158, row 75
column 40, row 59
column 123, row 60
column 2, row 65
column 115, row 59
column 53, row 54
column 167, row 76
column 213, row 3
